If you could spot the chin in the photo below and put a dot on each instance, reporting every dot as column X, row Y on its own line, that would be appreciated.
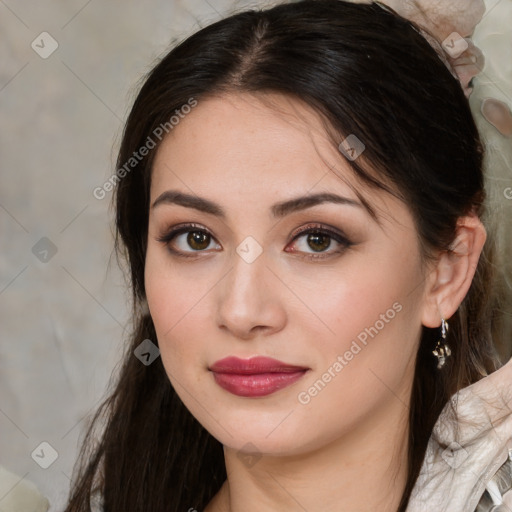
column 260, row 432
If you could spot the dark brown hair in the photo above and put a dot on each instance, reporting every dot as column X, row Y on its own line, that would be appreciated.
column 367, row 72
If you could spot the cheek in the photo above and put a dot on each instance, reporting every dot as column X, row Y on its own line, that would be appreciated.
column 177, row 303
column 337, row 312
column 372, row 313
column 374, row 294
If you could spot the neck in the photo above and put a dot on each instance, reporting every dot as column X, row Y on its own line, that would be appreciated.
column 364, row 470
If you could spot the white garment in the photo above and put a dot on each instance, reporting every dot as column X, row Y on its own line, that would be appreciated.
column 460, row 469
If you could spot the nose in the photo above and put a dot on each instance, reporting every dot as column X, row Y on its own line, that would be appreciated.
column 249, row 301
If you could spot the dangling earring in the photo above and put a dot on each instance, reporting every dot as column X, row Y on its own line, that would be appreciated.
column 442, row 350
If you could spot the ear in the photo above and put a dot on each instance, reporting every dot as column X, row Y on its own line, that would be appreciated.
column 449, row 280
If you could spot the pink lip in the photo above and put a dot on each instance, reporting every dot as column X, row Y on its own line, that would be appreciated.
column 258, row 376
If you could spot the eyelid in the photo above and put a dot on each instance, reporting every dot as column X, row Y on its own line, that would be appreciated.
column 171, row 233
column 324, row 228
column 334, row 233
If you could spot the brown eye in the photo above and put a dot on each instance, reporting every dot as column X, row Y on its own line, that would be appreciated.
column 190, row 240
column 198, row 240
column 318, row 241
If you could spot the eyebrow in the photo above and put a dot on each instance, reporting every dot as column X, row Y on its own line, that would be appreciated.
column 278, row 210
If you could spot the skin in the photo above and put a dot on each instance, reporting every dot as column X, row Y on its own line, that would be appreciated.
column 351, row 437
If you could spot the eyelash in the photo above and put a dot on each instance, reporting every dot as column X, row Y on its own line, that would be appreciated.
column 316, row 229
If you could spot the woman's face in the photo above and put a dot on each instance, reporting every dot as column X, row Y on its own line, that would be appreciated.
column 344, row 304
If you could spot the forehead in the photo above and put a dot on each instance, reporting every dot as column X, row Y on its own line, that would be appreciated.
column 244, row 153
column 246, row 142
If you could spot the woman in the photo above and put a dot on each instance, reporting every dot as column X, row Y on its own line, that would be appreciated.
column 299, row 193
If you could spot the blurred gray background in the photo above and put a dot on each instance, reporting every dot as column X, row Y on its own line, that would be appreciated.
column 69, row 72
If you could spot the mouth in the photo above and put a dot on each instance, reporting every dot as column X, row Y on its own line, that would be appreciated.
column 255, row 377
